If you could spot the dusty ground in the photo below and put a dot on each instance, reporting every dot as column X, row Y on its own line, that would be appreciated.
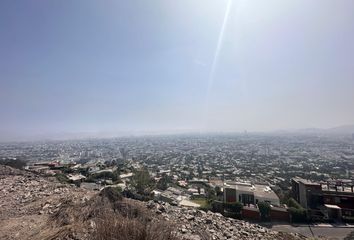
column 27, row 201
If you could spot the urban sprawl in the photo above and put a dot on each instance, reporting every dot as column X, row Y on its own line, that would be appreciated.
column 303, row 178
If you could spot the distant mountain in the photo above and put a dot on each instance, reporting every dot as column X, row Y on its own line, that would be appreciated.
column 339, row 130
column 344, row 129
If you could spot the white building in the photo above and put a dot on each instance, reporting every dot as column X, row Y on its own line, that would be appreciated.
column 250, row 194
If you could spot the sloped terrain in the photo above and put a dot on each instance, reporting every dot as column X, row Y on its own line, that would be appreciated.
column 35, row 207
column 27, row 200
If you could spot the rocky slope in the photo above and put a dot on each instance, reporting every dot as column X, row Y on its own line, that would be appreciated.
column 35, row 207
column 27, row 200
column 196, row 224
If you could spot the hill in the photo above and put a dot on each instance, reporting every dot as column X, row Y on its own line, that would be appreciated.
column 40, row 208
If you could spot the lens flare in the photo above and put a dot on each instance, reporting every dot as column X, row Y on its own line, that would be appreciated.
column 216, row 56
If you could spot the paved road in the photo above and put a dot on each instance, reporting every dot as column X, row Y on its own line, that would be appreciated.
column 333, row 233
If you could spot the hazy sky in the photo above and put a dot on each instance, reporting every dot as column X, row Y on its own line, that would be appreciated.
column 158, row 65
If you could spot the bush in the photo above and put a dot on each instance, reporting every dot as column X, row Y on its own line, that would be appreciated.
column 298, row 215
column 235, row 207
column 62, row 178
column 233, row 210
column 134, row 195
column 293, row 203
column 67, row 170
column 112, row 193
column 217, row 206
column 104, row 175
column 14, row 163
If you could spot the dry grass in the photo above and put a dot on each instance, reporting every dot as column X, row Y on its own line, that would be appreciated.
column 126, row 228
column 107, row 217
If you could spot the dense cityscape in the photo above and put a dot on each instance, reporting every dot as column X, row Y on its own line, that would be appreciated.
column 256, row 158
column 209, row 171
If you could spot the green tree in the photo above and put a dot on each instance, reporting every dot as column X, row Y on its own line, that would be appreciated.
column 210, row 194
column 62, row 178
column 297, row 212
column 293, row 203
column 164, row 182
column 115, row 176
column 264, row 209
column 141, row 181
column 104, row 175
column 218, row 191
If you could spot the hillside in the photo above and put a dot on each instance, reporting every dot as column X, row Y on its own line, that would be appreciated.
column 36, row 207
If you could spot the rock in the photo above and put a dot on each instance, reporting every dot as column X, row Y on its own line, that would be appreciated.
column 150, row 204
column 46, row 206
column 161, row 208
column 208, row 221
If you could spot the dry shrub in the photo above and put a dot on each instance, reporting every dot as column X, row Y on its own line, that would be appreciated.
column 109, row 217
column 126, row 228
column 76, row 213
column 112, row 194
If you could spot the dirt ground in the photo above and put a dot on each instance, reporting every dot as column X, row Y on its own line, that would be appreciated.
column 27, row 200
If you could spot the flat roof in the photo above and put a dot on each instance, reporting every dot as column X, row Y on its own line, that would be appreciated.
column 245, row 188
column 262, row 191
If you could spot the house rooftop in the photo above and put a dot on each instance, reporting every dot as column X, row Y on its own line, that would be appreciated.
column 262, row 191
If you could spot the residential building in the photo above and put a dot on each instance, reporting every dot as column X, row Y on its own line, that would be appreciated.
column 304, row 192
column 247, row 193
